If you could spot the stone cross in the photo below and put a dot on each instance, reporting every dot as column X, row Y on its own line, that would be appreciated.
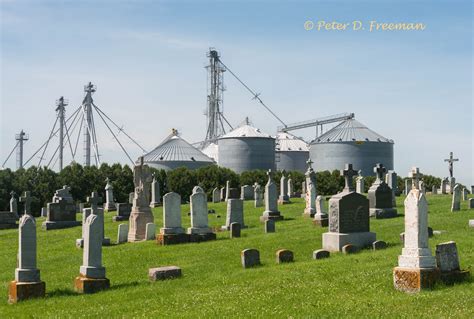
column 380, row 170
column 348, row 174
column 270, row 174
column 415, row 176
column 26, row 198
column 309, row 162
column 94, row 200
column 450, row 161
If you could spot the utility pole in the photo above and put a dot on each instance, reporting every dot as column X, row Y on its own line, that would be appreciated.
column 87, row 113
column 21, row 138
column 61, row 103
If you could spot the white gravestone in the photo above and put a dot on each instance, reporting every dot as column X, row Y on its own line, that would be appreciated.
column 271, row 200
column 216, row 195
column 92, row 255
column 26, row 270
column 109, row 197
column 310, row 208
column 155, row 193
column 283, row 199
column 199, row 217
column 456, row 201
column 171, row 214
column 258, row 195
column 150, row 233
column 235, row 213
column 360, row 187
column 122, row 235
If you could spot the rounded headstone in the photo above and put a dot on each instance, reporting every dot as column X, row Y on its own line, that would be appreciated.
column 235, row 230
column 321, row 254
column 284, row 256
column 250, row 258
column 379, row 244
column 349, row 249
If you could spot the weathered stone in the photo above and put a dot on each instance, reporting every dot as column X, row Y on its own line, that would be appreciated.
column 413, row 280
column 360, row 186
column 109, row 205
column 85, row 285
column 223, row 193
column 379, row 244
column 407, row 186
column 14, row 205
column 246, row 192
column 141, row 212
column 434, row 190
column 271, row 201
column 284, row 256
column 250, row 258
column 155, row 193
column 26, row 270
column 348, row 217
column 92, row 255
column 291, row 192
column 123, row 212
column 471, row 203
column 19, row 291
column 216, row 195
column 349, row 249
column 235, row 213
column 163, row 273
column 465, row 193
column 7, row 220
column 198, row 189
column 150, row 233
column 310, row 209
column 447, row 260
column 122, row 235
column 269, row 226
column 199, row 215
column 381, row 196
column 391, row 180
column 44, row 212
column 321, row 254
column 61, row 213
column 303, row 189
column 172, row 214
column 456, row 201
column 94, row 199
column 235, row 230
column 320, row 218
column 258, row 195
column 283, row 198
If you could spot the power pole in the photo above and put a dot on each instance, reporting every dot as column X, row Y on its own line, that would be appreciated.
column 61, row 103
column 22, row 137
column 87, row 113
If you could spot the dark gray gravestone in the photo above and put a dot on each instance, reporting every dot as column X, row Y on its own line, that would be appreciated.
column 381, row 196
column 269, row 226
column 235, row 229
column 284, row 256
column 321, row 254
column 123, row 212
column 447, row 257
column 61, row 213
column 250, row 258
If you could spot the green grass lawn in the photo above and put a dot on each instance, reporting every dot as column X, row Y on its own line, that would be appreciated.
column 214, row 284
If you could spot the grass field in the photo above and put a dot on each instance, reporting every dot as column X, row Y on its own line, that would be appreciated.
column 215, row 285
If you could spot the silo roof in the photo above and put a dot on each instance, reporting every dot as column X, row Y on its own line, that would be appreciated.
column 287, row 142
column 351, row 130
column 246, row 131
column 174, row 148
column 211, row 150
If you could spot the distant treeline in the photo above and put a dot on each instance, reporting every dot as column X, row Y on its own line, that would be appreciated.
column 43, row 182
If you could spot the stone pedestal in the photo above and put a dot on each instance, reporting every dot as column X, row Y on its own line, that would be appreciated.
column 7, row 220
column 123, row 212
column 321, row 220
column 413, row 280
column 139, row 217
column 19, row 291
column 381, row 213
column 335, row 241
column 85, row 285
column 172, row 239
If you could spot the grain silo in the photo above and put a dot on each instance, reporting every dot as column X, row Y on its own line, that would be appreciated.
column 246, row 148
column 351, row 142
column 211, row 151
column 175, row 152
column 291, row 153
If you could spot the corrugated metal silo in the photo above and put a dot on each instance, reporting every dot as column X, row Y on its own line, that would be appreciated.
column 175, row 152
column 211, row 151
column 351, row 142
column 291, row 153
column 246, row 148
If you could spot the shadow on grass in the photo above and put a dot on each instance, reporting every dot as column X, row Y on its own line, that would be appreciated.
column 61, row 293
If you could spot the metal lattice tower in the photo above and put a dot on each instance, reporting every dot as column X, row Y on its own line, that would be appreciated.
column 88, row 122
column 22, row 137
column 61, row 110
column 215, row 90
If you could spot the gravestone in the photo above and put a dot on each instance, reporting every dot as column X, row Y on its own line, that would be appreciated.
column 92, row 274
column 421, row 187
column 291, row 191
column 14, row 205
column 444, row 186
column 122, row 235
column 109, row 205
column 27, row 283
column 269, row 226
column 227, row 190
column 310, row 208
column 321, row 254
column 391, row 180
column 283, row 198
column 94, row 201
column 233, row 193
column 381, row 196
column 434, row 190
column 26, row 200
column 222, row 194
column 61, row 213
column 464, row 193
column 150, row 233
column 360, row 186
column 407, row 186
column 123, row 212
column 235, row 213
column 235, row 230
column 303, row 189
column 284, row 256
column 456, row 201
column 246, row 192
column 250, row 258
column 472, row 189
column 216, row 195
column 271, row 200
column 447, row 260
column 416, row 266
column 471, row 203
column 198, row 189
column 258, row 195
column 348, row 217
column 141, row 212
column 155, row 193
column 7, row 220
column 164, row 273
column 199, row 230
column 321, row 217
column 131, row 196
column 172, row 232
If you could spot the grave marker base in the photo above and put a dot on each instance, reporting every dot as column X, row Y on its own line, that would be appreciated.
column 172, row 239
column 323, row 222
column 455, row 276
column 414, row 280
column 309, row 212
column 335, row 241
column 19, row 291
column 381, row 213
column 197, row 238
column 86, row 285
column 47, row 225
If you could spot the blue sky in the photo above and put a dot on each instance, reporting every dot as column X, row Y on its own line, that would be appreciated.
column 147, row 59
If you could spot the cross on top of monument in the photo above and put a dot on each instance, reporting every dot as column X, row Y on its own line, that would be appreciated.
column 26, row 198
column 269, row 174
column 348, row 174
column 415, row 176
column 94, row 199
column 450, row 161
column 13, row 194
column 380, row 170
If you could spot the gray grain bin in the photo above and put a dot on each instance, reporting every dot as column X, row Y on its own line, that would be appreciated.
column 246, row 148
column 211, row 151
column 175, row 152
column 351, row 142
column 291, row 153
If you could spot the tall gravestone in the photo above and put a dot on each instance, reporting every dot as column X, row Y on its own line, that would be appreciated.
column 14, row 205
column 434, row 190
column 271, row 200
column 155, row 193
column 283, row 199
column 246, row 192
column 109, row 205
column 444, row 186
column 93, row 200
column 310, row 176
column 235, row 213
column 27, row 283
column 198, row 189
column 421, row 187
column 360, row 187
column 258, row 195
column 223, row 194
column 227, row 190
column 381, row 196
column 291, row 191
column 303, row 189
column 199, row 230
column 456, row 201
column 391, row 180
column 348, row 217
column 310, row 208
column 464, row 193
column 216, row 195
column 61, row 213
column 320, row 218
column 172, row 232
column 141, row 211
column 416, row 266
column 92, row 274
